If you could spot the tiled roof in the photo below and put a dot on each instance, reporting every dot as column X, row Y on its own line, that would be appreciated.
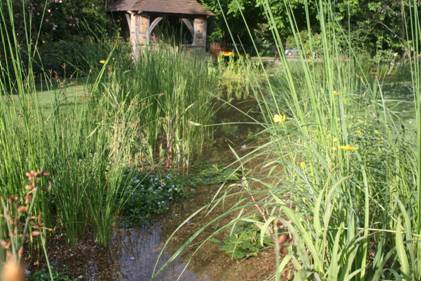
column 184, row 7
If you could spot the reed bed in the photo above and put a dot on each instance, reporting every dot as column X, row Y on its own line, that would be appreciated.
column 341, row 200
column 347, row 203
column 146, row 115
column 174, row 94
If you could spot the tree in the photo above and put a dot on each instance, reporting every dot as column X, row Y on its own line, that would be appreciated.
column 375, row 24
column 243, row 16
column 372, row 25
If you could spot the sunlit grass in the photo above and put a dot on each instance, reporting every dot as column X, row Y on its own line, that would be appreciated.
column 174, row 93
column 343, row 161
column 92, row 136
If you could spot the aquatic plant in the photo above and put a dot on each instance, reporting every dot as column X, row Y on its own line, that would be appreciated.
column 344, row 169
column 174, row 92
column 243, row 242
column 150, row 195
column 239, row 78
column 353, row 207
column 129, row 117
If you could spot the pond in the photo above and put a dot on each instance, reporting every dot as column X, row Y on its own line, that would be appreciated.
column 133, row 252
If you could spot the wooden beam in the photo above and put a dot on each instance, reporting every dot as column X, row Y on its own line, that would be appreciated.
column 128, row 15
column 189, row 25
column 131, row 20
column 154, row 23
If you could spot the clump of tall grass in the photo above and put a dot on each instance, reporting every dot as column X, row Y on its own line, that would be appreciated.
column 349, row 197
column 173, row 92
column 85, row 146
column 81, row 145
column 133, row 116
column 239, row 78
column 341, row 200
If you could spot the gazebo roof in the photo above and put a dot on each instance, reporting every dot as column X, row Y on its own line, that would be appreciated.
column 181, row 7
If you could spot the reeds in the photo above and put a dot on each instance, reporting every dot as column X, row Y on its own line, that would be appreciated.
column 344, row 168
column 132, row 116
column 20, row 226
column 350, row 194
column 174, row 92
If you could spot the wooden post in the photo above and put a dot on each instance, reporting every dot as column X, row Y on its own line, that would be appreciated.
column 143, row 23
column 131, row 21
column 138, row 27
column 189, row 25
column 152, row 26
column 200, row 33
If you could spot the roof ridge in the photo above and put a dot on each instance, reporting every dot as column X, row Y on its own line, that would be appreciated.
column 190, row 7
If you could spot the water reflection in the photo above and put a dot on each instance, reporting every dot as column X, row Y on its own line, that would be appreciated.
column 136, row 251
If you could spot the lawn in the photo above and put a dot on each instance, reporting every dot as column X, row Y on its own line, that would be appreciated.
column 68, row 95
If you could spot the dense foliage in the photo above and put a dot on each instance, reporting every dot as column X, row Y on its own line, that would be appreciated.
column 59, row 19
column 62, row 37
column 61, row 29
column 374, row 25
column 151, row 195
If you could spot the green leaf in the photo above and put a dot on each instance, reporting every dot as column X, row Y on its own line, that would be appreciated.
column 400, row 250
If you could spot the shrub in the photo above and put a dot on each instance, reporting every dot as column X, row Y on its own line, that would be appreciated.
column 72, row 57
column 150, row 195
column 244, row 241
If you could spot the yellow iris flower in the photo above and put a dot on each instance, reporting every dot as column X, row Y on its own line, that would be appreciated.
column 279, row 118
column 228, row 54
column 347, row 148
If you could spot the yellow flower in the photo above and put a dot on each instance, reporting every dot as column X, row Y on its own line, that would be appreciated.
column 336, row 93
column 303, row 165
column 227, row 54
column 347, row 148
column 102, row 61
column 279, row 118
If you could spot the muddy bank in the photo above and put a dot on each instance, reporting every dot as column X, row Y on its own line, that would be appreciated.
column 133, row 253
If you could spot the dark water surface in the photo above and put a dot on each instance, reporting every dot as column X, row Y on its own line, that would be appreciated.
column 134, row 252
column 137, row 250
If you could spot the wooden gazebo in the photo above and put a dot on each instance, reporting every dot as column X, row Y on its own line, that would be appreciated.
column 144, row 15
